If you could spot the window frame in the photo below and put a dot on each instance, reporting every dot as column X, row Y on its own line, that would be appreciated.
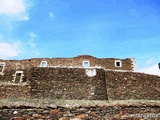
column 118, row 61
column 2, row 64
column 88, row 64
column 43, row 62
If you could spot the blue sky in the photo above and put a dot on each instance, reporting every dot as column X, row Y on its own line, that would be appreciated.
column 67, row 28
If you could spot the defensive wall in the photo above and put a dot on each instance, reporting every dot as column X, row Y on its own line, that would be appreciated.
column 75, row 83
column 82, row 77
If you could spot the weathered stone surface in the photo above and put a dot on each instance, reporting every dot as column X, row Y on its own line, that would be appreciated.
column 67, row 83
column 107, row 63
column 114, row 112
column 73, row 83
column 130, row 85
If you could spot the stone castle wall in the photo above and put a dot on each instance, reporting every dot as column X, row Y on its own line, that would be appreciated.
column 13, row 91
column 131, row 85
column 68, row 78
column 75, row 62
column 79, row 83
column 58, row 83
column 67, row 83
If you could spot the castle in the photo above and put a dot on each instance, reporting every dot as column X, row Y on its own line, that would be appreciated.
column 83, row 61
column 81, row 77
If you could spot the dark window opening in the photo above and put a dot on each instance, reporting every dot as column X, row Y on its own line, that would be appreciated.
column 1, row 67
column 18, row 74
column 18, row 77
column 118, row 64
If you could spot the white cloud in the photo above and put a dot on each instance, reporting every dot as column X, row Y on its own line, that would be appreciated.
column 12, row 6
column 9, row 50
column 32, row 36
column 52, row 15
column 154, row 70
column 15, row 9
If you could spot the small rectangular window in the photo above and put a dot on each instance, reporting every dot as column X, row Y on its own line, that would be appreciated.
column 118, row 63
column 43, row 64
column 86, row 64
column 18, row 76
column 2, row 65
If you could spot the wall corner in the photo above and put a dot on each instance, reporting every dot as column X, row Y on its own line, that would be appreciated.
column 133, row 64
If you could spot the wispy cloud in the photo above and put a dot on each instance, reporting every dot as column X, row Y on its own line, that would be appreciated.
column 9, row 50
column 15, row 9
column 52, row 15
column 30, row 47
column 32, row 36
column 150, row 66
column 11, row 12
column 153, row 69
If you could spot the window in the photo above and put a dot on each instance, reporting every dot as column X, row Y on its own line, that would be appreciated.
column 118, row 63
column 2, row 65
column 43, row 64
column 86, row 64
column 18, row 76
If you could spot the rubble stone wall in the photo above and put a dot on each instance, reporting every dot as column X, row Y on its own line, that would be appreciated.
column 117, row 112
column 19, row 91
column 8, row 75
column 75, row 62
column 131, row 85
column 74, row 83
column 67, row 83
